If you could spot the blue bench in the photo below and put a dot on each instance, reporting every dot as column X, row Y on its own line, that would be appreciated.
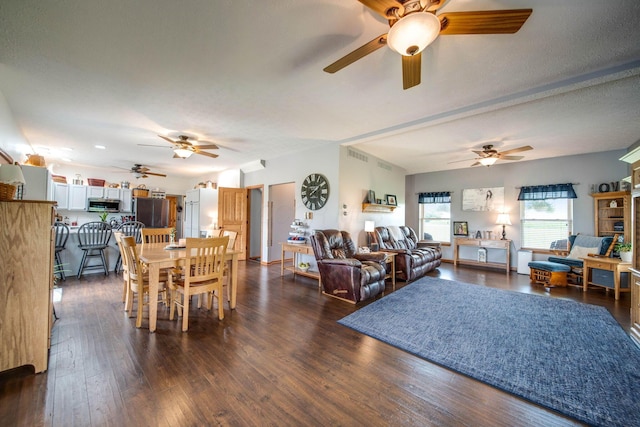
column 549, row 274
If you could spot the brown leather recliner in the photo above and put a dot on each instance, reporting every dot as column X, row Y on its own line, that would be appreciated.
column 344, row 273
column 415, row 258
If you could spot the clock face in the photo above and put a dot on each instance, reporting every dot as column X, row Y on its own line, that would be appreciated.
column 315, row 191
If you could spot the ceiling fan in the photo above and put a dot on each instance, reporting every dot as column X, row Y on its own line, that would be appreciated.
column 488, row 156
column 141, row 171
column 414, row 26
column 184, row 148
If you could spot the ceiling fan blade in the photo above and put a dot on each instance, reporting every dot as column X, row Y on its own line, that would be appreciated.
column 435, row 5
column 381, row 6
column 206, row 147
column 155, row 174
column 150, row 145
column 169, row 140
column 483, row 22
column 460, row 161
column 204, row 153
column 480, row 153
column 476, row 164
column 501, row 157
column 411, row 70
column 517, row 150
column 175, row 156
column 360, row 52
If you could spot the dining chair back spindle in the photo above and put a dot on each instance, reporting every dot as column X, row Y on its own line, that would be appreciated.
column 93, row 239
column 202, row 275
column 62, row 235
column 156, row 235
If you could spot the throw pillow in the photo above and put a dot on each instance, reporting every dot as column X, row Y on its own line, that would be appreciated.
column 578, row 252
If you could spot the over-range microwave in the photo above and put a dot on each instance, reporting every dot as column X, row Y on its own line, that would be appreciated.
column 103, row 205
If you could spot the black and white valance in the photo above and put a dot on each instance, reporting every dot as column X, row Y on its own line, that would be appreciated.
column 543, row 192
column 435, row 197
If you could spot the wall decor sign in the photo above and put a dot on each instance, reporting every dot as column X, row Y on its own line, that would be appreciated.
column 483, row 199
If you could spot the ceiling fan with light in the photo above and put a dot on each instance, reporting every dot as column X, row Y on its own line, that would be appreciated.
column 488, row 156
column 414, row 26
column 183, row 148
column 141, row 171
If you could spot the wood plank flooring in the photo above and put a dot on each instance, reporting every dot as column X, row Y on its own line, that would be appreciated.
column 279, row 359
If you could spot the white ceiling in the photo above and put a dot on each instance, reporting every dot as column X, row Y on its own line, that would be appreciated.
column 248, row 76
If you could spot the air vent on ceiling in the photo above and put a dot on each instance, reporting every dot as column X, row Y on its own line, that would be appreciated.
column 358, row 155
column 386, row 166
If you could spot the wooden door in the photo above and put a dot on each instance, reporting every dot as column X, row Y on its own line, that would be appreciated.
column 232, row 215
column 173, row 211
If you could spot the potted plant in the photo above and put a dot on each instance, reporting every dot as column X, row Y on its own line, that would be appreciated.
column 625, row 251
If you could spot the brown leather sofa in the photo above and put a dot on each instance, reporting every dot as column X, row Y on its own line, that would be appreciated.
column 344, row 273
column 415, row 258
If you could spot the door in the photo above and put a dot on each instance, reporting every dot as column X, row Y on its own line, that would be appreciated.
column 232, row 215
column 173, row 211
column 282, row 211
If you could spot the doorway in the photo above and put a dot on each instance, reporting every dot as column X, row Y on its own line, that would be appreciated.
column 282, row 211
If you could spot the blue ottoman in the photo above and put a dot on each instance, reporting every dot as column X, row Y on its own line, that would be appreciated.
column 549, row 274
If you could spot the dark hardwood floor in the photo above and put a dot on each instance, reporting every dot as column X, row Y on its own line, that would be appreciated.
column 279, row 359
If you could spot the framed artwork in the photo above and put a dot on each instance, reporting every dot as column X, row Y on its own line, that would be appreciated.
column 391, row 200
column 372, row 196
column 460, row 228
column 483, row 199
column 378, row 201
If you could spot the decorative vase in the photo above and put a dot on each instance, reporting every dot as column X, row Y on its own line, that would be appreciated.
column 626, row 256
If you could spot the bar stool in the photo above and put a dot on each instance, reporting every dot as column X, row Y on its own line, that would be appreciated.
column 129, row 228
column 62, row 235
column 93, row 239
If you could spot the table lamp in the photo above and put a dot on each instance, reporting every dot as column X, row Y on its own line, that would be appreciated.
column 369, row 227
column 503, row 220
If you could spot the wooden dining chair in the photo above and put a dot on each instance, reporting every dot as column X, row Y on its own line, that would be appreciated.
column 138, row 278
column 118, row 235
column 201, row 276
column 156, row 235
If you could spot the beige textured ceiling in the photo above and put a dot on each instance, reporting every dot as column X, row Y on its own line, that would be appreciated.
column 248, row 76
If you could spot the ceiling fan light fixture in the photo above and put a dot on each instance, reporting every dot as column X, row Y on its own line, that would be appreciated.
column 488, row 161
column 183, row 153
column 413, row 33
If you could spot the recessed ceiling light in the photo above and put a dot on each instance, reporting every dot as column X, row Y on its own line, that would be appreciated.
column 101, row 147
column 66, row 160
column 66, row 149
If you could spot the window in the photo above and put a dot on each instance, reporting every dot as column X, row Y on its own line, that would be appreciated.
column 435, row 216
column 546, row 216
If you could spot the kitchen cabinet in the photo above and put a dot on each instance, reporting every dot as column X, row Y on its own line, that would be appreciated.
column 77, row 197
column 61, row 195
column 125, row 200
column 94, row 192
column 200, row 211
column 26, row 283
column 38, row 183
column 111, row 193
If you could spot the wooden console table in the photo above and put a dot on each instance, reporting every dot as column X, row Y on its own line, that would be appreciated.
column 504, row 245
column 297, row 249
column 609, row 264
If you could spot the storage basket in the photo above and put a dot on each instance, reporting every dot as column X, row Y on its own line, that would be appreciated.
column 59, row 178
column 96, row 182
column 7, row 191
column 140, row 192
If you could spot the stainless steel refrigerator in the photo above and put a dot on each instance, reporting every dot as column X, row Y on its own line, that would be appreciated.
column 152, row 212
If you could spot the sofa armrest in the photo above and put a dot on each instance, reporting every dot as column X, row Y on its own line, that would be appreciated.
column 373, row 256
column 349, row 262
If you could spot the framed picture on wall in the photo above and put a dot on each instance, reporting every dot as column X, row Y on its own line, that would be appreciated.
column 460, row 228
column 391, row 200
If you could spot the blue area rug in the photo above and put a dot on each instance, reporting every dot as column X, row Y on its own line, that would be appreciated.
column 571, row 357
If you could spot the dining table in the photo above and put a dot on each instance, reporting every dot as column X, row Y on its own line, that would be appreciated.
column 157, row 256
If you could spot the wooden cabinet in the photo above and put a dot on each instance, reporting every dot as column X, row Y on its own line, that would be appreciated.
column 26, row 283
column 612, row 213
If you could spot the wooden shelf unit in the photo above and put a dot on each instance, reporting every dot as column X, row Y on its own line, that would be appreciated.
column 374, row 207
column 606, row 216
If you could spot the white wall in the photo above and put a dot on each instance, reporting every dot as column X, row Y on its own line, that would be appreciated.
column 585, row 170
column 359, row 173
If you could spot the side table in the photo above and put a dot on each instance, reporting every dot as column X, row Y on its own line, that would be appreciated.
column 610, row 264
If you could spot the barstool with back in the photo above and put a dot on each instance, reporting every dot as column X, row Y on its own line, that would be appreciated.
column 93, row 239
column 62, row 235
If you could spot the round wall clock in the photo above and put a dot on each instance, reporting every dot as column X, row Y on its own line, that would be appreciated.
column 315, row 191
